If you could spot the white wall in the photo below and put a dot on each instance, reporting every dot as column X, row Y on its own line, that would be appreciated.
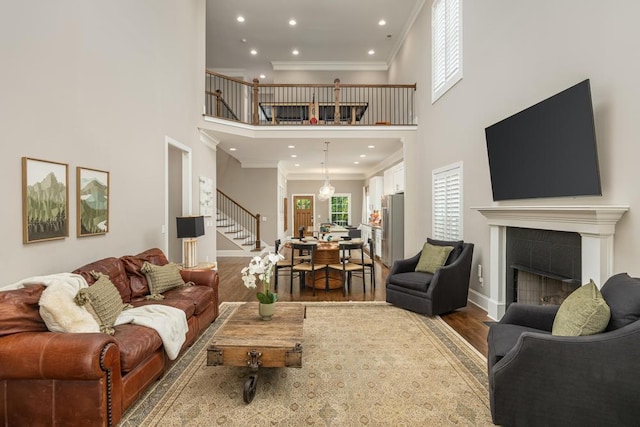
column 515, row 55
column 98, row 85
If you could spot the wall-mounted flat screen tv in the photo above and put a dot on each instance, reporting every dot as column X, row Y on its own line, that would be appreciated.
column 547, row 150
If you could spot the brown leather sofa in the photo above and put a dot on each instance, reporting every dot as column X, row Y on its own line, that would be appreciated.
column 90, row 379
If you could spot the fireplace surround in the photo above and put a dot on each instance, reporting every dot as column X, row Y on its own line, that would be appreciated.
column 594, row 223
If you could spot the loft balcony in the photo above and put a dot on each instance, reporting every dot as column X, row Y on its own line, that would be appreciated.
column 335, row 104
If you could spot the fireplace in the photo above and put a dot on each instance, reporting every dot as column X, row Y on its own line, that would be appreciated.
column 594, row 224
column 542, row 266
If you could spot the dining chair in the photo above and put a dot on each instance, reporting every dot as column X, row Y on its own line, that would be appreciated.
column 369, row 261
column 283, row 264
column 347, row 265
column 302, row 268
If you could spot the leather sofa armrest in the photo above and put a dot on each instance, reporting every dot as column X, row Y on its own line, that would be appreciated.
column 201, row 277
column 54, row 355
column 532, row 316
column 405, row 265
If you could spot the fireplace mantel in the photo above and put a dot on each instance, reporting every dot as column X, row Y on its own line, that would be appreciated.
column 595, row 223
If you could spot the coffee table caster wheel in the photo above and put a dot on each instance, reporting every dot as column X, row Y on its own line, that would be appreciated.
column 249, row 389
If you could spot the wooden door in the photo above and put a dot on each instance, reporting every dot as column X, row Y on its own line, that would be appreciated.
column 302, row 214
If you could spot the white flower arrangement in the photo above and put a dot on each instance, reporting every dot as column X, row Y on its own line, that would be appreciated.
column 261, row 268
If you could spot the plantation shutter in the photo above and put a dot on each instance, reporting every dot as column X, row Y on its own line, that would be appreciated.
column 447, row 203
column 447, row 45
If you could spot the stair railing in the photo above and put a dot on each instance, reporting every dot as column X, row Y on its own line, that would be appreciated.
column 240, row 216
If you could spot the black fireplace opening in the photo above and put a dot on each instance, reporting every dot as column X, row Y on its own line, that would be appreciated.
column 543, row 266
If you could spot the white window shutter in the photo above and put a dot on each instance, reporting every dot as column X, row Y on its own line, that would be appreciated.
column 446, row 33
column 447, row 203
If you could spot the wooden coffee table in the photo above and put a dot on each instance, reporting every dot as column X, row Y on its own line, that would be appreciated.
column 244, row 339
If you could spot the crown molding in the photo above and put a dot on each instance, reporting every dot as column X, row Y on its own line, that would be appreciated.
column 405, row 31
column 328, row 66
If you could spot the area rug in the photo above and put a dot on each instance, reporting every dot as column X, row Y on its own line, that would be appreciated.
column 363, row 364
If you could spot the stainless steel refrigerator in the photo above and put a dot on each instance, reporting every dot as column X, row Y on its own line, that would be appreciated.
column 392, row 228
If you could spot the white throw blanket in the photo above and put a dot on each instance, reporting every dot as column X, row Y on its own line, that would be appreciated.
column 169, row 322
column 62, row 314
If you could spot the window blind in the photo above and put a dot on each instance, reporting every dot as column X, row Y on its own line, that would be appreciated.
column 447, row 203
column 446, row 28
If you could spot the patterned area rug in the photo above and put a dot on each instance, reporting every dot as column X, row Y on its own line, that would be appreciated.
column 363, row 364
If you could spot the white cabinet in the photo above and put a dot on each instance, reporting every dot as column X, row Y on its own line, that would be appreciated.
column 375, row 193
column 365, row 232
column 377, row 237
column 394, row 179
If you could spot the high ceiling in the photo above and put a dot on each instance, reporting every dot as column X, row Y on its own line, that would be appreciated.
column 329, row 35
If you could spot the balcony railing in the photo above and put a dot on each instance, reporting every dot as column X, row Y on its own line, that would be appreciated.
column 308, row 104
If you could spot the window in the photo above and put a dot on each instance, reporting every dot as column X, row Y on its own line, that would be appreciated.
column 446, row 46
column 340, row 209
column 447, row 202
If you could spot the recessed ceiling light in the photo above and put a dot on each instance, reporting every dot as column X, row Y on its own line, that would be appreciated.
column 382, row 22
column 232, row 149
column 371, row 146
column 295, row 51
column 243, row 40
column 254, row 52
column 356, row 162
column 363, row 155
column 292, row 22
column 297, row 164
column 294, row 156
column 240, row 18
column 371, row 52
column 291, row 146
column 262, row 76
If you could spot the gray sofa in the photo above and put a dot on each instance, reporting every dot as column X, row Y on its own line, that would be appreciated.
column 537, row 379
column 432, row 294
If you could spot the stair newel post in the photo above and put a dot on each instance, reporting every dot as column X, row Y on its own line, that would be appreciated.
column 336, row 100
column 257, row 231
column 218, row 102
column 256, row 94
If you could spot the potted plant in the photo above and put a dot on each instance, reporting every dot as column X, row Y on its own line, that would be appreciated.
column 261, row 268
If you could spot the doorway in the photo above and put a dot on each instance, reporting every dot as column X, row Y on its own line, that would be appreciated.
column 302, row 213
column 177, row 194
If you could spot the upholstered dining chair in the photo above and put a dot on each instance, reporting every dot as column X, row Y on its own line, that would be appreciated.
column 349, row 251
column 302, row 268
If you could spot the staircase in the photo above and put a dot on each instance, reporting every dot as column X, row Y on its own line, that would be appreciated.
column 238, row 225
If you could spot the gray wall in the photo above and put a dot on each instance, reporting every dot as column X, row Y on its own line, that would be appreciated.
column 515, row 55
column 99, row 85
column 353, row 187
column 253, row 188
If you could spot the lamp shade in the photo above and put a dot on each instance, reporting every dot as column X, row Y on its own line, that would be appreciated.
column 190, row 226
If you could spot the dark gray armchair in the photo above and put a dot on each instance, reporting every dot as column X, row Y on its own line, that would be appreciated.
column 432, row 294
column 537, row 379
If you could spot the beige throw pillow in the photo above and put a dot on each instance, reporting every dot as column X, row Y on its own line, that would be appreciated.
column 584, row 312
column 162, row 278
column 433, row 257
column 103, row 301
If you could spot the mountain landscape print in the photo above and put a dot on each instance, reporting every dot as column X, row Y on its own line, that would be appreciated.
column 93, row 201
column 45, row 202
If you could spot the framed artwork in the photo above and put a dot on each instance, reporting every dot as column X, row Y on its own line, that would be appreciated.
column 45, row 200
column 206, row 196
column 92, row 201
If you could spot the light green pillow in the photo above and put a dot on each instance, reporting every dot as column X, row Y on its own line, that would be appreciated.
column 103, row 301
column 162, row 278
column 584, row 312
column 433, row 257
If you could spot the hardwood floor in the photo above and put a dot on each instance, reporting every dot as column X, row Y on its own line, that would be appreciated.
column 468, row 322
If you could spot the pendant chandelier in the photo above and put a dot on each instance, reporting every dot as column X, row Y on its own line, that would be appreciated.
column 326, row 191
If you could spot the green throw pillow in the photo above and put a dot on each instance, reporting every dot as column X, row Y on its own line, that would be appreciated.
column 103, row 301
column 584, row 312
column 433, row 257
column 162, row 278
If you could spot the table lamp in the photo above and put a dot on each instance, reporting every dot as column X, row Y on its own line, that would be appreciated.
column 190, row 228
